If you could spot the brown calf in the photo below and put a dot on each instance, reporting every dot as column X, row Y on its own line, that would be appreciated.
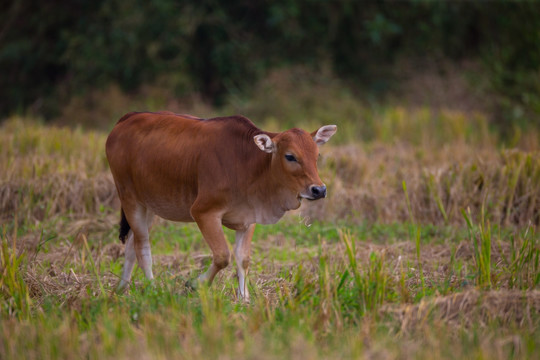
column 221, row 171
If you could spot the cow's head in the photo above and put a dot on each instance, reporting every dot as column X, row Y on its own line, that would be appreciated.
column 294, row 159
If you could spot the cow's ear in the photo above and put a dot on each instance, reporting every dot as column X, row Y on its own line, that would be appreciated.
column 264, row 143
column 324, row 134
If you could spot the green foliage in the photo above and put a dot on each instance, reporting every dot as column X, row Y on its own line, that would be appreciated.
column 50, row 53
column 369, row 288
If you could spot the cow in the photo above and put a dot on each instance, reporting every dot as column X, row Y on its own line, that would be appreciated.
column 216, row 172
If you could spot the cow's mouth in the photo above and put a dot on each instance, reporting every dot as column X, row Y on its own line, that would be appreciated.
column 303, row 196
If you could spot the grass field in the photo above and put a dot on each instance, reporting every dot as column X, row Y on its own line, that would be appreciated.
column 427, row 247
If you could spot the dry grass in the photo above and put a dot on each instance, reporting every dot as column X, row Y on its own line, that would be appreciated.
column 470, row 308
column 54, row 171
column 49, row 171
column 366, row 184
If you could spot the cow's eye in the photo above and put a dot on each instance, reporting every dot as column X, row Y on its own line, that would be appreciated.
column 290, row 157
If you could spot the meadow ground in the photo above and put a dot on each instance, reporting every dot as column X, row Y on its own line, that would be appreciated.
column 427, row 247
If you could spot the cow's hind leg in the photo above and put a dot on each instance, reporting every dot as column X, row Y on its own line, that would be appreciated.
column 137, row 245
column 142, row 243
column 242, row 254
column 129, row 263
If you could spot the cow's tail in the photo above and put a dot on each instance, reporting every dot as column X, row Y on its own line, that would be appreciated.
column 124, row 226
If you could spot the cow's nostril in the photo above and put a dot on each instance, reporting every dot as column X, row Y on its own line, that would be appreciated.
column 318, row 191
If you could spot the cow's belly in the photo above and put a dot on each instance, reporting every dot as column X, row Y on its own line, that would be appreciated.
column 174, row 215
column 242, row 217
column 171, row 210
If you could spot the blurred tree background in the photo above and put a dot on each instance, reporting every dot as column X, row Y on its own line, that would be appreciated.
column 54, row 51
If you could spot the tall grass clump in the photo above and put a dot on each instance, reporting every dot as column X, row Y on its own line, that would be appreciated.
column 346, row 288
column 521, row 267
column 482, row 241
column 15, row 297
column 365, row 287
column 518, row 255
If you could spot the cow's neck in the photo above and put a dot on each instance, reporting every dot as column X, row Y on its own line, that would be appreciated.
column 270, row 199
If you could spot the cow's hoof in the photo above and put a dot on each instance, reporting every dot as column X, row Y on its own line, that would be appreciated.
column 242, row 296
column 121, row 288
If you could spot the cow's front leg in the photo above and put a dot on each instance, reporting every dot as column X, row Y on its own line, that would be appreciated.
column 242, row 253
column 212, row 231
